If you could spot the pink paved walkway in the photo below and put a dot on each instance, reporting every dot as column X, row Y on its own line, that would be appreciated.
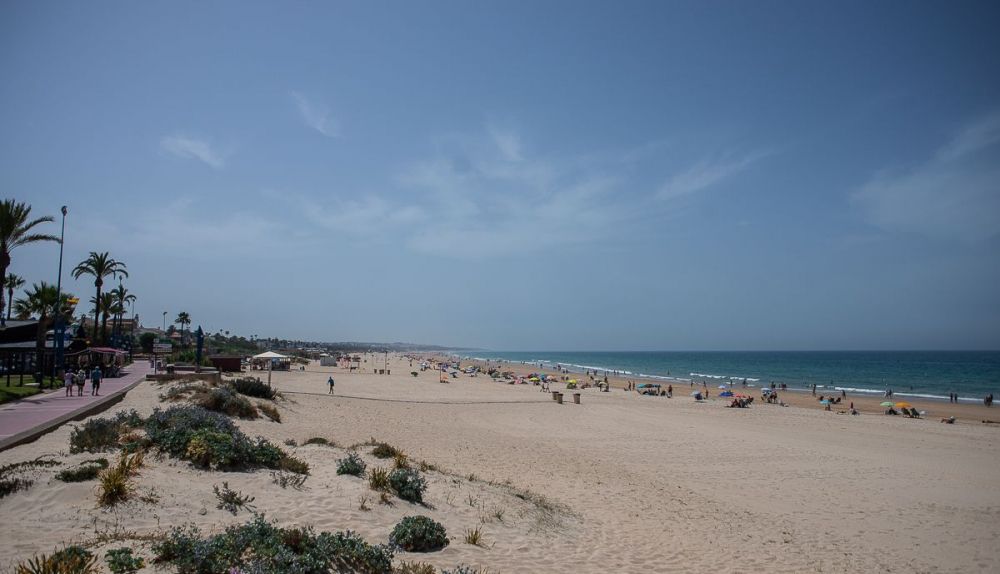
column 27, row 418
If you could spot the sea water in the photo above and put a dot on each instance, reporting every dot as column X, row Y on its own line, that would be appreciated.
column 927, row 374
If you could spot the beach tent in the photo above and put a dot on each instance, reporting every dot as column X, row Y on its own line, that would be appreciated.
column 270, row 356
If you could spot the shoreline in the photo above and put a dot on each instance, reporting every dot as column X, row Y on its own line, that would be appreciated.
column 965, row 412
column 724, row 379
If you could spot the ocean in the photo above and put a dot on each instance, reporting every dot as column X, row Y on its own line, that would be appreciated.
column 926, row 374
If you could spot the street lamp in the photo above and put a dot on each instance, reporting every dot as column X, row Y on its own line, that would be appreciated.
column 164, row 322
column 59, row 330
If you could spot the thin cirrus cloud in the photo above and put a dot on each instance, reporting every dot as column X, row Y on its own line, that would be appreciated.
column 954, row 195
column 315, row 115
column 705, row 174
column 187, row 147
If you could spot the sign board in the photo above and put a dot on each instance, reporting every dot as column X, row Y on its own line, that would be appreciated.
column 162, row 348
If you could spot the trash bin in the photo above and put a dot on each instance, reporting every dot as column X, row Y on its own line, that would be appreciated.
column 559, row 397
column 576, row 398
column 555, row 395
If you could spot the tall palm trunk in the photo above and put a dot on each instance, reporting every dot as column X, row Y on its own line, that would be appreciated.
column 4, row 263
column 43, row 321
column 97, row 306
column 10, row 298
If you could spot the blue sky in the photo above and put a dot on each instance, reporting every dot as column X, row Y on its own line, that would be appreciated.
column 522, row 175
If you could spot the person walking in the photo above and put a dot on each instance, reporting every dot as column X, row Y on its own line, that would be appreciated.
column 95, row 382
column 329, row 382
column 80, row 378
column 68, row 382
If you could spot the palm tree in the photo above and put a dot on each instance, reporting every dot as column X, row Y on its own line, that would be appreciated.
column 14, row 282
column 183, row 319
column 41, row 300
column 106, row 306
column 15, row 230
column 122, row 299
column 100, row 265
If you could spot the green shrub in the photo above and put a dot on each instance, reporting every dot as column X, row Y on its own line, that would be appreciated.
column 11, row 475
column 88, row 470
column 103, row 434
column 121, row 561
column 253, row 387
column 419, row 534
column 378, row 479
column 351, row 464
column 261, row 546
column 383, row 450
column 223, row 400
column 211, row 440
column 408, row 484
column 69, row 560
column 414, row 568
column 317, row 440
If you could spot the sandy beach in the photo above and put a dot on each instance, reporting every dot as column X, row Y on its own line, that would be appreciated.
column 618, row 483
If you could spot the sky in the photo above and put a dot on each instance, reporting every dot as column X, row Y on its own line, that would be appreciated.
column 521, row 175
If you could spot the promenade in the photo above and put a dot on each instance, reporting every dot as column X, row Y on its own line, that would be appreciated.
column 25, row 420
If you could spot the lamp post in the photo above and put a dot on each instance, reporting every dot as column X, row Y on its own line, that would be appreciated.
column 164, row 322
column 59, row 329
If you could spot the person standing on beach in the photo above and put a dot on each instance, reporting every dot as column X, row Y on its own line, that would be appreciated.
column 814, row 389
column 330, row 383
column 95, row 382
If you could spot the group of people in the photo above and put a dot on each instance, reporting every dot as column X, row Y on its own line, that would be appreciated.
column 741, row 403
column 79, row 379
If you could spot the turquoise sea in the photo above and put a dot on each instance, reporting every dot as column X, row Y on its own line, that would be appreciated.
column 928, row 374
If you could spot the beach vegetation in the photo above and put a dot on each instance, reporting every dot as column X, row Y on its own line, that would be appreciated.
column 270, row 411
column 414, row 568
column 122, row 561
column 103, row 434
column 463, row 569
column 261, row 546
column 474, row 536
column 231, row 500
column 12, row 476
column 383, row 450
column 384, row 499
column 291, row 442
column 87, row 470
column 211, row 440
column 317, row 440
column 401, row 460
column 224, row 400
column 69, row 560
column 253, row 387
column 351, row 464
column 116, row 483
column 378, row 479
column 286, row 479
column 419, row 534
column 408, row 484
column 498, row 513
column 363, row 503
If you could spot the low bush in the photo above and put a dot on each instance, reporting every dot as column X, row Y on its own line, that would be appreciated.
column 317, row 440
column 270, row 411
column 383, row 450
column 253, row 387
column 401, row 460
column 378, row 479
column 408, row 484
column 103, row 434
column 231, row 500
column 419, row 534
column 414, row 568
column 88, row 470
column 211, row 440
column 122, row 561
column 261, row 546
column 224, row 400
column 69, row 560
column 116, row 482
column 12, row 477
column 474, row 536
column 351, row 464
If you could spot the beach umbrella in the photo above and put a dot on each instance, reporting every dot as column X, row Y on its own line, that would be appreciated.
column 886, row 404
column 903, row 405
column 572, row 380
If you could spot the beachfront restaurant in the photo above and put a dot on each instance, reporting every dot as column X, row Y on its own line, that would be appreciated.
column 19, row 357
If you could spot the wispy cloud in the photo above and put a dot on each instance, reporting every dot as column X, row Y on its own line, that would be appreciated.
column 955, row 194
column 316, row 116
column 192, row 148
column 705, row 174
